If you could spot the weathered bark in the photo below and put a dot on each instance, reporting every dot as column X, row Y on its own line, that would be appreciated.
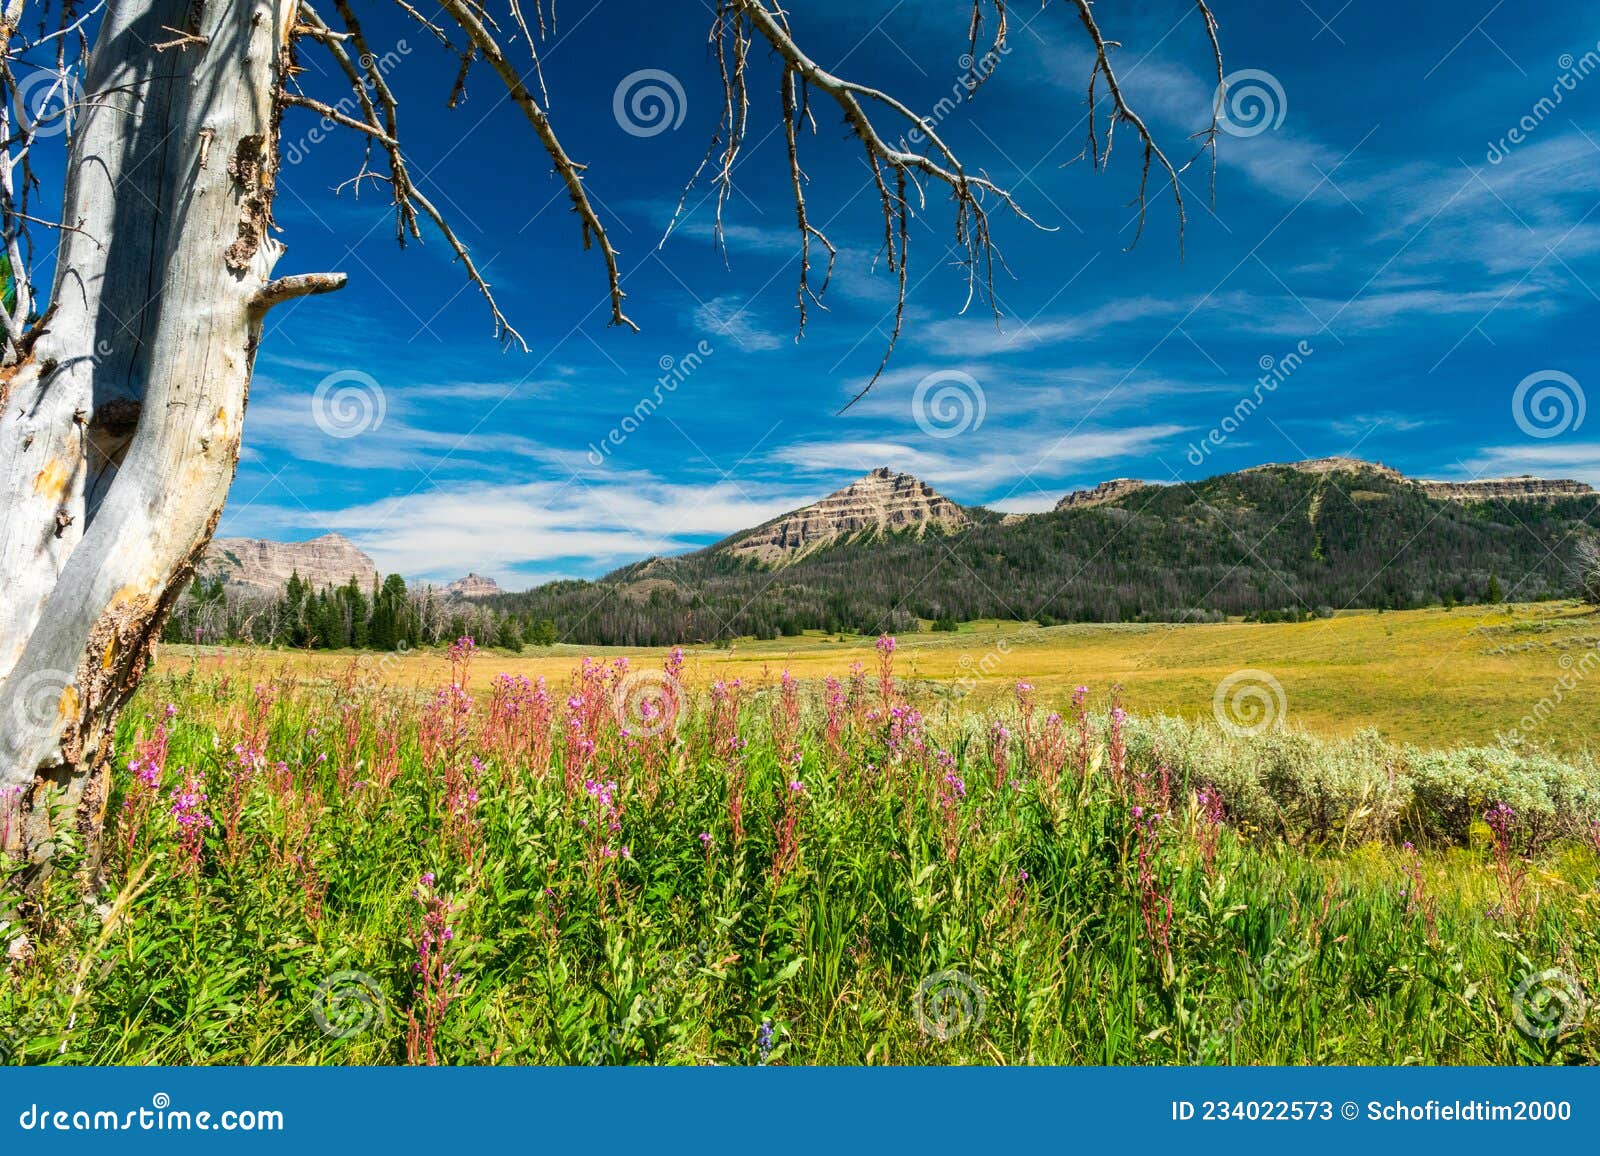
column 120, row 432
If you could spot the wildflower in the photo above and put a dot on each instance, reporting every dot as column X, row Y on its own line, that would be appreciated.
column 1502, row 822
column 1209, row 831
column 1000, row 753
column 437, row 989
column 187, row 809
column 764, row 1040
column 952, row 791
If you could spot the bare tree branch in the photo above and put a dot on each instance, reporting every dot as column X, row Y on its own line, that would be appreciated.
column 468, row 17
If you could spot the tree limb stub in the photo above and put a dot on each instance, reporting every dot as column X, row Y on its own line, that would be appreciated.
column 282, row 289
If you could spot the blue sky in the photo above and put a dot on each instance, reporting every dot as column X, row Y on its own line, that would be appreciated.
column 1365, row 225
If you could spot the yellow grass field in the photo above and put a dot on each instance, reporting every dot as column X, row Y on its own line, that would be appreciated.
column 1435, row 678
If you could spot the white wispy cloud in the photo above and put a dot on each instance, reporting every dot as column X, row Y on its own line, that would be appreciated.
column 735, row 318
column 1556, row 458
column 970, row 467
column 504, row 530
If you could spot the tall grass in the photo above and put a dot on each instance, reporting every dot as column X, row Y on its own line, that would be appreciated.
column 644, row 867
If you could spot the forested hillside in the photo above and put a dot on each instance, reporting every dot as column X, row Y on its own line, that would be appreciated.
column 1267, row 543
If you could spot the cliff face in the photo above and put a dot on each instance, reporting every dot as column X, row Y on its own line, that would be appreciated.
column 472, row 586
column 1526, row 488
column 881, row 502
column 1104, row 492
column 1334, row 465
column 262, row 566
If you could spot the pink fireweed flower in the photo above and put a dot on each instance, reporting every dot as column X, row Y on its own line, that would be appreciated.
column 952, row 790
column 786, row 721
column 437, row 988
column 1000, row 753
column 1509, row 867
column 1208, row 832
column 1116, row 744
column 188, row 801
column 886, row 647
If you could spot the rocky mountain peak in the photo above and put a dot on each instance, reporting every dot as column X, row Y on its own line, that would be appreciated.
column 880, row 502
column 1337, row 464
column 472, row 586
column 1099, row 495
column 262, row 566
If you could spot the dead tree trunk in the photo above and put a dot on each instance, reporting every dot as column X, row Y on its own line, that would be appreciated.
column 119, row 426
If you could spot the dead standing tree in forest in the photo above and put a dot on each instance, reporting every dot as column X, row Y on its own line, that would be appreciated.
column 122, row 397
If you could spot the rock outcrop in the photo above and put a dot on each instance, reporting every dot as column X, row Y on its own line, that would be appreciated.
column 262, row 566
column 472, row 586
column 1334, row 465
column 1101, row 494
column 1526, row 489
column 882, row 502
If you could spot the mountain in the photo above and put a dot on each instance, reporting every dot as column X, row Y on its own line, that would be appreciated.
column 1273, row 541
column 1525, row 488
column 258, row 565
column 472, row 586
column 1101, row 494
column 879, row 504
